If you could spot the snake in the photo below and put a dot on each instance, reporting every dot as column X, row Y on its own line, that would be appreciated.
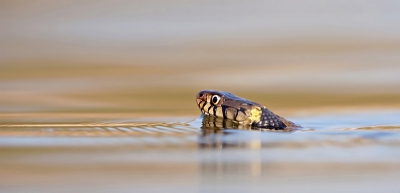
column 240, row 110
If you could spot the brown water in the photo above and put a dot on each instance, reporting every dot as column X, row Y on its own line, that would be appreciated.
column 99, row 97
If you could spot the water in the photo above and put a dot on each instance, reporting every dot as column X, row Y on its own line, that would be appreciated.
column 357, row 150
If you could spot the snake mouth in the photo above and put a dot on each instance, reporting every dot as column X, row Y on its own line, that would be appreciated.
column 198, row 101
column 201, row 100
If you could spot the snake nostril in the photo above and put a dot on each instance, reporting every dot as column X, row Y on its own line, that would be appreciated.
column 200, row 95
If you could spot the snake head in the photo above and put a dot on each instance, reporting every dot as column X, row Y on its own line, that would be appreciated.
column 239, row 110
column 228, row 106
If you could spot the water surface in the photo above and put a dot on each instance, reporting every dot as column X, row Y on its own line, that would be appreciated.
column 357, row 150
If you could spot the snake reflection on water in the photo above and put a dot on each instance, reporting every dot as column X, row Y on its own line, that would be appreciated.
column 226, row 106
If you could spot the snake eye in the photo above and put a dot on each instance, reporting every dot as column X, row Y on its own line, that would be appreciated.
column 215, row 99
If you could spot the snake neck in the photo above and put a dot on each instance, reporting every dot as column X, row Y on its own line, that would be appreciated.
column 270, row 120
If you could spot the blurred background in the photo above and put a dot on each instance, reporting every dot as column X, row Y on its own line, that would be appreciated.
column 150, row 58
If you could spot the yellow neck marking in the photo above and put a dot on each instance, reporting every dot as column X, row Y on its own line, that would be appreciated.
column 255, row 114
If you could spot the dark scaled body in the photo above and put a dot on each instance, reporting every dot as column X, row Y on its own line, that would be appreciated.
column 269, row 120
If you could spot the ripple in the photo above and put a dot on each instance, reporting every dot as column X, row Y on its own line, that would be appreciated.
column 98, row 129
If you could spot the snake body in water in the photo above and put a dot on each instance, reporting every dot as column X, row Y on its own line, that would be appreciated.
column 240, row 111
